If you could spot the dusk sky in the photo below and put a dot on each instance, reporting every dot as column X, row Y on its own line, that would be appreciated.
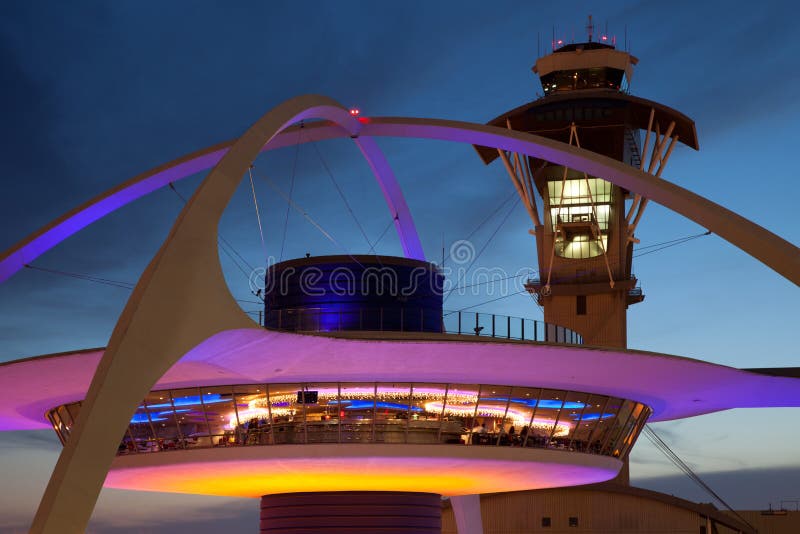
column 95, row 94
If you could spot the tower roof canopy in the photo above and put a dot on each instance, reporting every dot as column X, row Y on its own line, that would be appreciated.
column 527, row 118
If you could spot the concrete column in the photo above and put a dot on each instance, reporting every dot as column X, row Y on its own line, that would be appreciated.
column 467, row 512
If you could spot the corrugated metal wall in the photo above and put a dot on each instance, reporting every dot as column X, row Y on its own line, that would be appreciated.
column 597, row 512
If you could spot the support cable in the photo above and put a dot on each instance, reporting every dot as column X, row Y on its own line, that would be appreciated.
column 486, row 244
column 258, row 215
column 596, row 219
column 486, row 302
column 488, row 218
column 291, row 189
column 86, row 277
column 391, row 223
column 230, row 251
column 661, row 445
column 307, row 217
column 342, row 195
column 105, row 281
column 668, row 244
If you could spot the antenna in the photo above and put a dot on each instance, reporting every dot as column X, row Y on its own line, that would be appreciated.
column 626, row 38
column 538, row 45
column 590, row 28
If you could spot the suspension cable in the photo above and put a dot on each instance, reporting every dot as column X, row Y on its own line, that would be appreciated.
column 662, row 446
column 486, row 302
column 373, row 247
column 105, row 281
column 79, row 276
column 307, row 217
column 488, row 218
column 486, row 244
column 667, row 244
column 258, row 215
column 291, row 188
column 342, row 196
column 230, row 251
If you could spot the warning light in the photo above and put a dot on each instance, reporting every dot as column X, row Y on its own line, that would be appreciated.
column 354, row 111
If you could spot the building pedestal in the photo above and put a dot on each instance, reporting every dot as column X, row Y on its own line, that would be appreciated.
column 343, row 512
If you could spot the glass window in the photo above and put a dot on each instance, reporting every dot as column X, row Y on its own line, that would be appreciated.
column 612, row 443
column 392, row 411
column 574, row 406
column 253, row 414
column 459, row 412
column 605, row 424
column 221, row 414
column 191, row 418
column 632, row 429
column 425, row 424
column 287, row 414
column 588, row 422
column 357, row 411
column 321, row 405
column 546, row 429
column 490, row 416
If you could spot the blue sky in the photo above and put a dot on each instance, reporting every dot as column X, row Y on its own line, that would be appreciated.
column 97, row 93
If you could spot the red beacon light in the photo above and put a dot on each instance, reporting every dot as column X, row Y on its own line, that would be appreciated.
column 355, row 112
column 604, row 38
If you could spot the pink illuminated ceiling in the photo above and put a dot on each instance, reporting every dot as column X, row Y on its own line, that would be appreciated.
column 674, row 387
column 256, row 471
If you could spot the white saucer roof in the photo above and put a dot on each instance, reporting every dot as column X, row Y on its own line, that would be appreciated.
column 674, row 387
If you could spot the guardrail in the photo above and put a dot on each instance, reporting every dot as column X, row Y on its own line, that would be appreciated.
column 417, row 320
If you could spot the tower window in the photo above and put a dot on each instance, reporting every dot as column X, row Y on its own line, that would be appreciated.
column 573, row 521
column 546, row 522
column 580, row 305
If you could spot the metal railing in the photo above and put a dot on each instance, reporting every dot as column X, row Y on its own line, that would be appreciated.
column 418, row 320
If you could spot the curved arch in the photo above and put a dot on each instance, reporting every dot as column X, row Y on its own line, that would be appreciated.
column 775, row 252
column 33, row 246
column 180, row 300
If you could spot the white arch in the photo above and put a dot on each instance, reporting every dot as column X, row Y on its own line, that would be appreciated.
column 33, row 246
column 168, row 313
column 768, row 248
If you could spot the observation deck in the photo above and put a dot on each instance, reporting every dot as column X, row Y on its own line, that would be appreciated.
column 416, row 320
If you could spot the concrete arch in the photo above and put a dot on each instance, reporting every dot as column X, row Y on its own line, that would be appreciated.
column 180, row 300
column 775, row 252
column 27, row 250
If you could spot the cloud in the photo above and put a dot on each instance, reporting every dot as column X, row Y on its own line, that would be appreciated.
column 743, row 489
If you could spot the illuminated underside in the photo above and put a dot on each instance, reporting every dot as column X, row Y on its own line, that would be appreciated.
column 256, row 471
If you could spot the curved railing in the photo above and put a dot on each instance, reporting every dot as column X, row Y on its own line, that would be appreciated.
column 417, row 320
column 375, row 412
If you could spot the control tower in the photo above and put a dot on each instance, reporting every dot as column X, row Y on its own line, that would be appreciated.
column 585, row 226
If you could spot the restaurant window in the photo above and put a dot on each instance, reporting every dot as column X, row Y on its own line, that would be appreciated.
column 580, row 305
column 573, row 521
column 546, row 522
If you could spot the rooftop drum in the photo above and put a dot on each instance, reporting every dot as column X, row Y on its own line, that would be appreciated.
column 336, row 293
